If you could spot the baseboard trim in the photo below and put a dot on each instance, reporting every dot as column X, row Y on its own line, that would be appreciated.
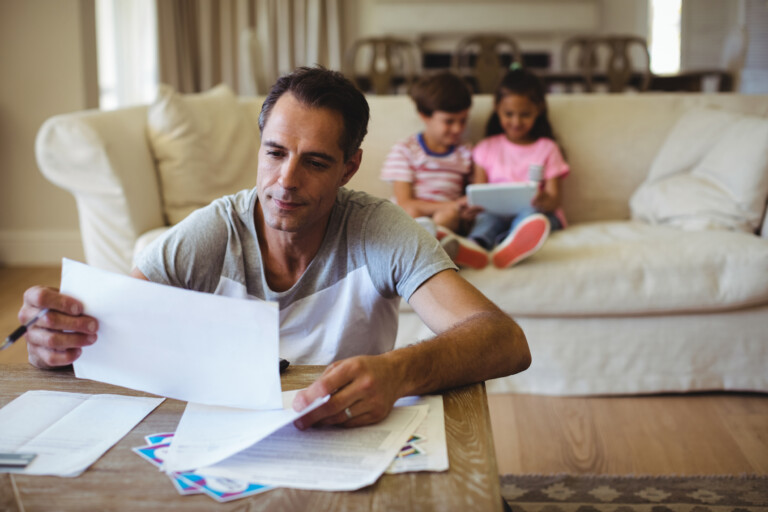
column 40, row 247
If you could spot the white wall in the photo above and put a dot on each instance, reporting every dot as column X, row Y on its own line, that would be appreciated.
column 47, row 63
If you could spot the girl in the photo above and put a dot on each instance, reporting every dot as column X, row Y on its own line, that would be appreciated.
column 519, row 146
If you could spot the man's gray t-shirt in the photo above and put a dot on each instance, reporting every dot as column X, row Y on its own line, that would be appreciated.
column 346, row 302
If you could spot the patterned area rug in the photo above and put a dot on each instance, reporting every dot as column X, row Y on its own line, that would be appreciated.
column 569, row 493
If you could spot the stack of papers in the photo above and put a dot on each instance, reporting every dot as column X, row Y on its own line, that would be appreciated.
column 411, row 438
column 326, row 458
column 265, row 447
column 426, row 449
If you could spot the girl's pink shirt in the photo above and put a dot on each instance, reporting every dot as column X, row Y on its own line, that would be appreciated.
column 506, row 162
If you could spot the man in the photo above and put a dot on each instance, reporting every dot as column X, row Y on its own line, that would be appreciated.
column 337, row 261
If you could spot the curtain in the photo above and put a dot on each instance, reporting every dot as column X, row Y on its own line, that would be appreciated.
column 246, row 44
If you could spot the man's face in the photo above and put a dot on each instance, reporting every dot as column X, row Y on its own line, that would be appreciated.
column 444, row 130
column 301, row 165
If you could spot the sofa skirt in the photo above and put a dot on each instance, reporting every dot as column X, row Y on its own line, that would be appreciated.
column 718, row 351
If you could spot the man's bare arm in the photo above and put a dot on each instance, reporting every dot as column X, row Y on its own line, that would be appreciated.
column 476, row 341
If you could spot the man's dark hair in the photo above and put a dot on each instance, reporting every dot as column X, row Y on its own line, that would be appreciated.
column 444, row 91
column 318, row 87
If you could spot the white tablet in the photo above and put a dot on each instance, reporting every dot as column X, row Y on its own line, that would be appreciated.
column 506, row 199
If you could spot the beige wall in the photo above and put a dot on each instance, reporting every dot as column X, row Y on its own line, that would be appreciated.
column 42, row 48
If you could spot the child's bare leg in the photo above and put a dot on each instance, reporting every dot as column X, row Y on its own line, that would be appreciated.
column 449, row 218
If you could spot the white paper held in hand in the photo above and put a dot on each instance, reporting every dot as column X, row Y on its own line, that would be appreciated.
column 177, row 343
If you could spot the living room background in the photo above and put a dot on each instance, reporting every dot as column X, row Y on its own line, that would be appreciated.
column 48, row 57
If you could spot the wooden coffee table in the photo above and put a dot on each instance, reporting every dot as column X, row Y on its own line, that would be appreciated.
column 120, row 480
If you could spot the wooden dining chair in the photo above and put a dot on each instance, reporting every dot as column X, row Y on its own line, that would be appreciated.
column 484, row 58
column 383, row 65
column 608, row 59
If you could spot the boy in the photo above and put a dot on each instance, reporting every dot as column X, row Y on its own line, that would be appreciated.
column 429, row 170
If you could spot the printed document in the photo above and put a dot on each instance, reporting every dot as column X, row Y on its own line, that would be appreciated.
column 177, row 343
column 68, row 431
column 325, row 458
column 207, row 434
column 427, row 450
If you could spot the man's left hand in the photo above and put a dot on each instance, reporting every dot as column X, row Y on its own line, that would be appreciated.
column 363, row 390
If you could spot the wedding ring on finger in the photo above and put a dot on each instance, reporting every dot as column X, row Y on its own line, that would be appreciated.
column 348, row 413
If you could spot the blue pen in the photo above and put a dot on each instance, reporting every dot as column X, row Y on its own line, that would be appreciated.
column 18, row 333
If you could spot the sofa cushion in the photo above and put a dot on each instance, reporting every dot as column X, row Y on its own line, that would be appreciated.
column 631, row 268
column 711, row 173
column 205, row 147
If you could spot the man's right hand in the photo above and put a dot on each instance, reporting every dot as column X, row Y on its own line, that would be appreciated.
column 56, row 338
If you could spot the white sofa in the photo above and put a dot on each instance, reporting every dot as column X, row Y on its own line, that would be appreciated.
column 609, row 305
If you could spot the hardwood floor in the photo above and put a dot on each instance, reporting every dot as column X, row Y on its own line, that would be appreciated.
column 712, row 433
column 693, row 434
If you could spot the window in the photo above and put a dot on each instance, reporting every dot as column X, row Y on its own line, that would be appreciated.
column 664, row 39
column 126, row 35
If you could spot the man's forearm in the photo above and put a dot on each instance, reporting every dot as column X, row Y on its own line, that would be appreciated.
column 486, row 345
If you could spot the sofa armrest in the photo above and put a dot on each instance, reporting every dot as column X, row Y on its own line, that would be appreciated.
column 104, row 160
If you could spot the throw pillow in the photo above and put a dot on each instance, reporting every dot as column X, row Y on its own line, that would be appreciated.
column 710, row 173
column 205, row 146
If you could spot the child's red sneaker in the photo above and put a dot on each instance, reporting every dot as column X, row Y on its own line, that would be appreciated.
column 443, row 232
column 471, row 254
column 463, row 251
column 466, row 253
column 526, row 239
